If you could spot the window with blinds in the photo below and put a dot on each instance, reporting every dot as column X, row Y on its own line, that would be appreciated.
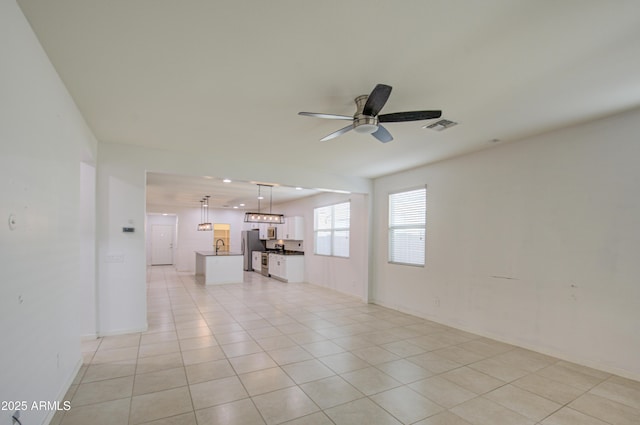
column 407, row 227
column 331, row 229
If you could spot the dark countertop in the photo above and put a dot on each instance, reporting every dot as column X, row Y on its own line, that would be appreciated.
column 285, row 252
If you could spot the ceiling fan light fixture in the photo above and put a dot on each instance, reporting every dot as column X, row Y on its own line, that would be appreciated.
column 367, row 117
column 366, row 128
column 365, row 124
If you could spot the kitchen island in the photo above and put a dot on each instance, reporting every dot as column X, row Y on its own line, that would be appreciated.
column 219, row 268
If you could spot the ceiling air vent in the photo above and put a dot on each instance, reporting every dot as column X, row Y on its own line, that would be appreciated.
column 440, row 125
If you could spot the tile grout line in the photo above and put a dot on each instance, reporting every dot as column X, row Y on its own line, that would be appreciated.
column 239, row 304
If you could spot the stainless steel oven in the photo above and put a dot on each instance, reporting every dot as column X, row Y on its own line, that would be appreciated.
column 264, row 270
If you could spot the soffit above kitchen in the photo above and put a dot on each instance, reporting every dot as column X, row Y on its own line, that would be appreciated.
column 170, row 190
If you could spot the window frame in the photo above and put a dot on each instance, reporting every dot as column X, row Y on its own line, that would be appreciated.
column 391, row 228
column 332, row 229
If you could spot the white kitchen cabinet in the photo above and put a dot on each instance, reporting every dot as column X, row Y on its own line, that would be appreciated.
column 287, row 268
column 256, row 261
column 275, row 265
column 292, row 229
column 294, row 268
column 262, row 230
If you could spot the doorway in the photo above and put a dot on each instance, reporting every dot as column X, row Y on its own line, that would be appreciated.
column 161, row 239
column 161, row 245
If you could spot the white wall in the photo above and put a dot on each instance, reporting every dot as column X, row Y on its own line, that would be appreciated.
column 87, row 222
column 535, row 243
column 346, row 275
column 189, row 239
column 121, row 257
column 43, row 140
column 121, row 180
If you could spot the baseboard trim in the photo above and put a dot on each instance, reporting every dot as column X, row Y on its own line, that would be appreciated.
column 64, row 390
column 358, row 296
column 123, row 331
column 89, row 337
column 561, row 355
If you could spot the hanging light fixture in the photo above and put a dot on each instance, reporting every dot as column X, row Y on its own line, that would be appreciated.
column 201, row 215
column 205, row 225
column 252, row 217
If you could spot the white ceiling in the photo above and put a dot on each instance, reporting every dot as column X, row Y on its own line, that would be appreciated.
column 230, row 76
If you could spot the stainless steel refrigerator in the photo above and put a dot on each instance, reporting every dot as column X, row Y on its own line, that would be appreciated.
column 250, row 242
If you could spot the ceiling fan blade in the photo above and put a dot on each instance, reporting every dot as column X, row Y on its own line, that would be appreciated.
column 382, row 134
column 327, row 116
column 376, row 100
column 337, row 133
column 409, row 116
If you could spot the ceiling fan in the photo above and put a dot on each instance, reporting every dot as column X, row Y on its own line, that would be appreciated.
column 366, row 118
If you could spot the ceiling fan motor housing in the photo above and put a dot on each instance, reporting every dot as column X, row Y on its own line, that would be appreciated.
column 364, row 123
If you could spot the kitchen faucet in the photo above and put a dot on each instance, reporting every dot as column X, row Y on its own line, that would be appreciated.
column 217, row 247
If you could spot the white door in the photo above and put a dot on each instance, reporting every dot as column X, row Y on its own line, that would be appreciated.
column 161, row 244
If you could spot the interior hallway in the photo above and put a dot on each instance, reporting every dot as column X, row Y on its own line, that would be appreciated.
column 269, row 352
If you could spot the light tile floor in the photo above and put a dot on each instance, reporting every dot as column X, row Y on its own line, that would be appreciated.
column 266, row 352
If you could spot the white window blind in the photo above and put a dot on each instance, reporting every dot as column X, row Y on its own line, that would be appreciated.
column 407, row 227
column 331, row 229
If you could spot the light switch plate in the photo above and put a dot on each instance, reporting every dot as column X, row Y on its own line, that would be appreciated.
column 115, row 258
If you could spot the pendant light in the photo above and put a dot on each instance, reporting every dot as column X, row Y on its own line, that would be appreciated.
column 200, row 228
column 205, row 225
column 252, row 217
